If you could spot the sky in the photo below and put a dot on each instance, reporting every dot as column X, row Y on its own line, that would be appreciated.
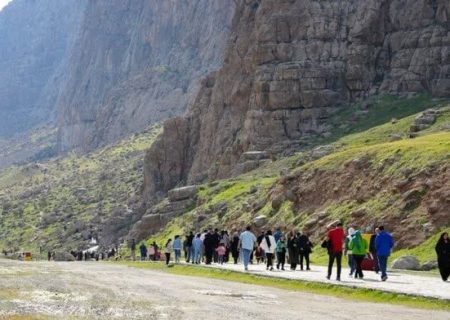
column 3, row 3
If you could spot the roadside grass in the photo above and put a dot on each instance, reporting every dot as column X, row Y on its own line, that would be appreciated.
column 348, row 293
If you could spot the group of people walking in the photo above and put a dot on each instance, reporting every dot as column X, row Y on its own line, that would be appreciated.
column 219, row 247
column 276, row 248
column 356, row 248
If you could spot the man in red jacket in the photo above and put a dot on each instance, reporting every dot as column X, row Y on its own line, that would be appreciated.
column 336, row 238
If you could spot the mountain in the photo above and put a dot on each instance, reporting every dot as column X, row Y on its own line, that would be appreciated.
column 35, row 41
column 289, row 66
column 390, row 167
column 136, row 63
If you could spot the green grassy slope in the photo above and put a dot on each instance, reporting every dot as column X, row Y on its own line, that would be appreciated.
column 65, row 201
column 233, row 203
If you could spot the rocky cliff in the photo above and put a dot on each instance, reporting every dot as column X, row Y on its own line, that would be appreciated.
column 35, row 38
column 136, row 63
column 289, row 65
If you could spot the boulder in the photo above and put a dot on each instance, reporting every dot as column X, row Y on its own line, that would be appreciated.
column 277, row 202
column 359, row 213
column 430, row 265
column 406, row 263
column 182, row 193
column 260, row 221
column 311, row 222
column 291, row 196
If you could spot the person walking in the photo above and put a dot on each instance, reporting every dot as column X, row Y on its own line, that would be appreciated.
column 177, row 246
column 189, row 249
column 234, row 247
column 168, row 250
column 143, row 250
column 268, row 245
column 281, row 253
column 292, row 245
column 133, row 249
column 247, row 242
column 197, row 245
column 383, row 244
column 359, row 247
column 336, row 238
column 348, row 251
column 221, row 250
column 443, row 254
column 304, row 249
column 373, row 250
column 210, row 246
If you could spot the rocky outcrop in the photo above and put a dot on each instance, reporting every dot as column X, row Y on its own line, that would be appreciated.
column 289, row 65
column 138, row 62
column 35, row 41
column 425, row 120
column 180, row 201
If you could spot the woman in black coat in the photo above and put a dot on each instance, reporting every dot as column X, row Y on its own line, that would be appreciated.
column 292, row 245
column 234, row 247
column 443, row 253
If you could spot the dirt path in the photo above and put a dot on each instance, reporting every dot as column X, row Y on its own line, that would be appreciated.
column 103, row 291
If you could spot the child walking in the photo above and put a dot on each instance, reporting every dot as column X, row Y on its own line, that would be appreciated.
column 221, row 250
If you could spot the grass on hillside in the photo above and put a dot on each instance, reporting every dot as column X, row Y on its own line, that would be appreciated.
column 354, row 294
column 63, row 202
column 376, row 111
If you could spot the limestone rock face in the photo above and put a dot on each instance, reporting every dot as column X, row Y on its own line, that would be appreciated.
column 137, row 62
column 289, row 64
column 35, row 41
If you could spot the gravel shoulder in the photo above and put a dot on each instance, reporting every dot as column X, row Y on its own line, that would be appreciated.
column 105, row 291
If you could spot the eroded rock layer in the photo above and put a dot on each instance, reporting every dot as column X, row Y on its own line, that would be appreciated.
column 289, row 65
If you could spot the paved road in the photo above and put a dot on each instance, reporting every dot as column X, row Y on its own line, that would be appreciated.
column 105, row 291
column 398, row 282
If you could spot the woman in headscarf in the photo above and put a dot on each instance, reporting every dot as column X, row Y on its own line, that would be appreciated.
column 443, row 253
column 348, row 252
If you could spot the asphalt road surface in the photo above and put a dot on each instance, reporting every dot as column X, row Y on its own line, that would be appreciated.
column 105, row 291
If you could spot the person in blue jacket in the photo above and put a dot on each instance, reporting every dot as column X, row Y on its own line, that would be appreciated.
column 197, row 244
column 177, row 246
column 383, row 244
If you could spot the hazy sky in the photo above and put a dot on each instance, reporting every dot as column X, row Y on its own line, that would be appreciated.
column 3, row 3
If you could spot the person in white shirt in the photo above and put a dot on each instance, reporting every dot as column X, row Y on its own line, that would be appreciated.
column 247, row 242
column 269, row 245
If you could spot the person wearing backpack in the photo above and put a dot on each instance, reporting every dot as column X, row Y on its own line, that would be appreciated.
column 268, row 245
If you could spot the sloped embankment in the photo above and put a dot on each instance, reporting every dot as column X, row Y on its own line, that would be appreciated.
column 381, row 175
